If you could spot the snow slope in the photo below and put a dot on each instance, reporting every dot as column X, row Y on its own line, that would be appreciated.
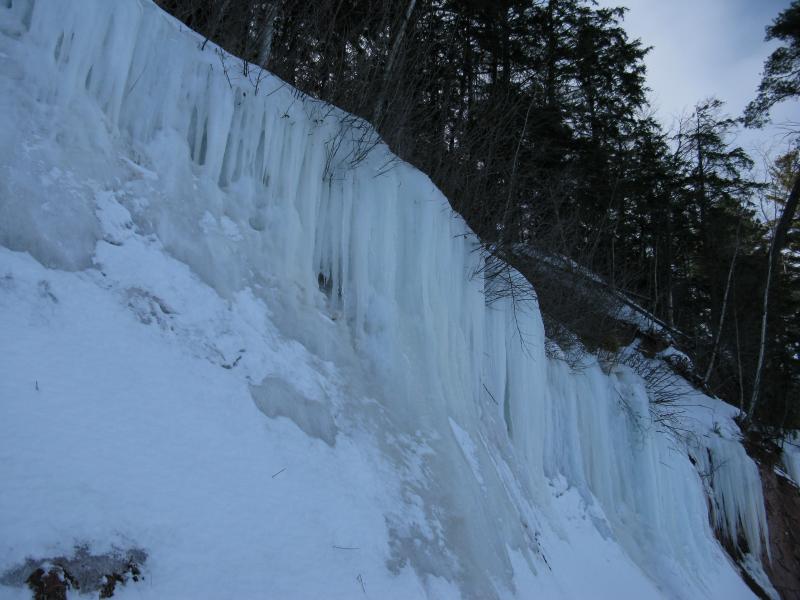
column 231, row 340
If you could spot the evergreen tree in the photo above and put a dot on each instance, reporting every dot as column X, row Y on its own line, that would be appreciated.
column 780, row 81
column 781, row 77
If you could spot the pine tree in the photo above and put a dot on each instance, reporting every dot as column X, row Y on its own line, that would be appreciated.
column 781, row 77
column 780, row 81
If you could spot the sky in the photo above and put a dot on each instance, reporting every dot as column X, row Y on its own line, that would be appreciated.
column 705, row 48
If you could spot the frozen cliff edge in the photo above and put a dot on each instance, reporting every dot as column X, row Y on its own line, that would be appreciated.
column 184, row 251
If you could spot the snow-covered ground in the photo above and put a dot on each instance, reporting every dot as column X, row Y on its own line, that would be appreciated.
column 270, row 366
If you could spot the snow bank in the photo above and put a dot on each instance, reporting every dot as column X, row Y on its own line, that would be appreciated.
column 234, row 251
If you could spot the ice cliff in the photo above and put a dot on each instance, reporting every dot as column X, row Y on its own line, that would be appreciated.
column 231, row 338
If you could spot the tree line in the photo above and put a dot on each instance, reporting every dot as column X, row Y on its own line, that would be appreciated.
column 532, row 117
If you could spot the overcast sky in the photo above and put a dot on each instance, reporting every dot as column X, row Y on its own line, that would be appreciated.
column 708, row 47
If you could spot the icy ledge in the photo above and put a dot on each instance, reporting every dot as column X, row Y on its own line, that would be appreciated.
column 264, row 260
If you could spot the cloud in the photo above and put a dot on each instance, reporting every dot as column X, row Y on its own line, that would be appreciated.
column 705, row 48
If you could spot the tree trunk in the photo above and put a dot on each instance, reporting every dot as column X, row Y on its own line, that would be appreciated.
column 778, row 242
column 266, row 33
column 398, row 39
column 738, row 356
column 504, row 239
column 723, row 310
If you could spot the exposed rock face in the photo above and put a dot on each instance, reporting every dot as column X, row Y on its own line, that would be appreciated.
column 50, row 584
column 782, row 499
column 50, row 578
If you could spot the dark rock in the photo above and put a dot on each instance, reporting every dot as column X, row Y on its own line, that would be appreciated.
column 782, row 501
column 50, row 578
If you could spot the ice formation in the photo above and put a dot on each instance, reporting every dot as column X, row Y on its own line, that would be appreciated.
column 791, row 458
column 267, row 257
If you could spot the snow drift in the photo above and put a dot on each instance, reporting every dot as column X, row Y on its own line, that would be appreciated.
column 236, row 341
